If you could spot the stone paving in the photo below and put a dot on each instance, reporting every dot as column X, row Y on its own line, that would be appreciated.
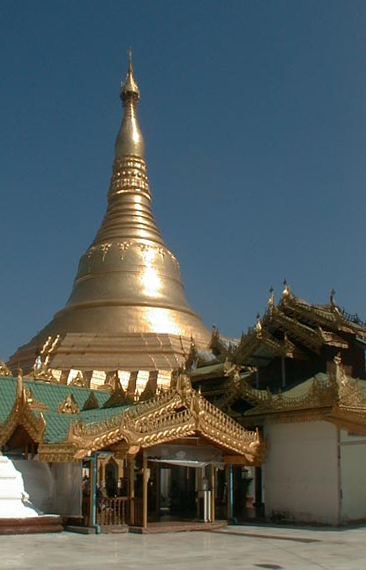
column 236, row 547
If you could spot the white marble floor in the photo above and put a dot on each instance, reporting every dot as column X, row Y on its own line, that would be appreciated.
column 235, row 548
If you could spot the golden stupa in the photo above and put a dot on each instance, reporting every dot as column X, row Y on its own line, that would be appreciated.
column 127, row 309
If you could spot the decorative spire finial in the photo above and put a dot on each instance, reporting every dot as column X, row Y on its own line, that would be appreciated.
column 130, row 141
column 129, row 89
column 286, row 290
column 270, row 301
column 331, row 298
column 258, row 325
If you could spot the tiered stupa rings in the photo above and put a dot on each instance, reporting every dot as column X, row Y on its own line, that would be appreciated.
column 127, row 308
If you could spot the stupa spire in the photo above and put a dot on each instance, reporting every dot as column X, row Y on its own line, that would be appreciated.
column 128, row 283
column 129, row 140
column 129, row 88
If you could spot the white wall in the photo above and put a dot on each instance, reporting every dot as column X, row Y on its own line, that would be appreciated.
column 301, row 474
column 53, row 489
column 67, row 496
column 38, row 482
column 353, row 474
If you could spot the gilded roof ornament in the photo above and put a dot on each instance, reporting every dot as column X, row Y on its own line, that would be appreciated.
column 270, row 301
column 42, row 372
column 4, row 370
column 22, row 413
column 258, row 325
column 91, row 403
column 332, row 302
column 33, row 403
column 118, row 396
column 192, row 358
column 41, row 369
column 78, row 380
column 339, row 371
column 68, row 406
column 286, row 290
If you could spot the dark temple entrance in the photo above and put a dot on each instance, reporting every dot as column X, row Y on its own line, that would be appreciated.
column 182, row 480
column 172, row 492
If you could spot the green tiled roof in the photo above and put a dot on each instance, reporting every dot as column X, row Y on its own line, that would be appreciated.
column 303, row 388
column 7, row 396
column 216, row 369
column 57, row 424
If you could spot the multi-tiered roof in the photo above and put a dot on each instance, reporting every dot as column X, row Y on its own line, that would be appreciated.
column 300, row 361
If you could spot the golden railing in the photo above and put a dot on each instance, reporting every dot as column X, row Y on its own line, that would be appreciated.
column 112, row 511
column 109, row 511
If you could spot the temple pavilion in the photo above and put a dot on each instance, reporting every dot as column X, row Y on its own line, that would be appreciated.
column 97, row 411
column 299, row 377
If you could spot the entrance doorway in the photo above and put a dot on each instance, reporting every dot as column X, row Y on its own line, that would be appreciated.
column 181, row 492
column 177, row 491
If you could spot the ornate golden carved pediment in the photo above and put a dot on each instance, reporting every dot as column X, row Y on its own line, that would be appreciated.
column 351, row 392
column 58, row 452
column 174, row 414
column 349, row 410
column 352, row 395
column 33, row 403
column 347, row 418
column 78, row 381
column 24, row 413
column 91, row 403
column 68, row 406
column 4, row 370
column 336, row 398
column 118, row 396
column 321, row 394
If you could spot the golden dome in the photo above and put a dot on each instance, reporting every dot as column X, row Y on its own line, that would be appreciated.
column 128, row 284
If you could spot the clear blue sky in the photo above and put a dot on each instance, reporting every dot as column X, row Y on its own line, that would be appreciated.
column 254, row 116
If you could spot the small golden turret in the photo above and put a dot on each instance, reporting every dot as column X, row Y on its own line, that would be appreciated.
column 128, row 285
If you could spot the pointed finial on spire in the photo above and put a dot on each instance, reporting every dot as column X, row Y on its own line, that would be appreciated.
column 331, row 298
column 258, row 325
column 215, row 332
column 286, row 290
column 270, row 301
column 129, row 53
column 129, row 89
